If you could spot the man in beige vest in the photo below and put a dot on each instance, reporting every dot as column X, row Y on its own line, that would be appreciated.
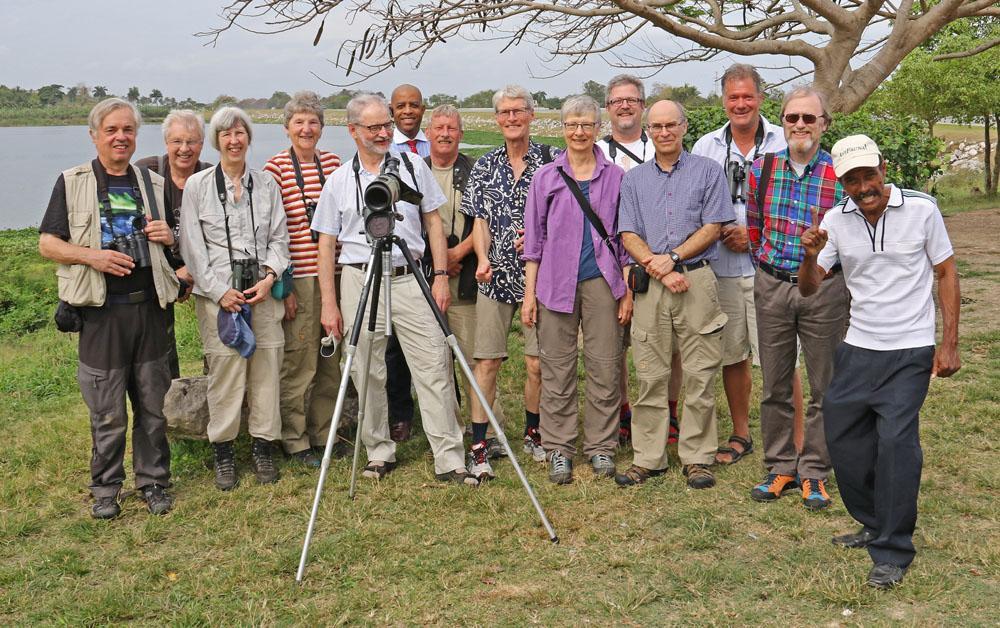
column 103, row 227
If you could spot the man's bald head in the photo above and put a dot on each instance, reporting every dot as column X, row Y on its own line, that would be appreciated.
column 407, row 105
column 669, row 108
column 667, row 124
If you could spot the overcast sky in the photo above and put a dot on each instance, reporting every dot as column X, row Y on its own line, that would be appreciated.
column 152, row 45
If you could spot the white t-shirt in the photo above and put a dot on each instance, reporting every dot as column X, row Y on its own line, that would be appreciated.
column 641, row 148
column 340, row 209
column 889, row 268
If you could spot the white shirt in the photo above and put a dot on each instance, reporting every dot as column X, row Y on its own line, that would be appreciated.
column 641, row 148
column 399, row 142
column 889, row 268
column 713, row 146
column 340, row 209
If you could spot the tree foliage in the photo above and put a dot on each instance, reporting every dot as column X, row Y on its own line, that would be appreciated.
column 849, row 46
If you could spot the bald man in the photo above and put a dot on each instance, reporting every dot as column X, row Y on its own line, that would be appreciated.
column 407, row 104
column 671, row 214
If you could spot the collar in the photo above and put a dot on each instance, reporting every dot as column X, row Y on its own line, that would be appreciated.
column 562, row 159
column 677, row 164
column 399, row 138
column 821, row 156
column 895, row 200
column 361, row 167
column 243, row 177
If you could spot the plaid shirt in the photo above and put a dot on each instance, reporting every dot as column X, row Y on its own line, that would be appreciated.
column 774, row 229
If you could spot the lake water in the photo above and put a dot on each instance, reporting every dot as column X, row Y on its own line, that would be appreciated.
column 31, row 159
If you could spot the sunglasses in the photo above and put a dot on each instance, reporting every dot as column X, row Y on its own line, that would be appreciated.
column 793, row 118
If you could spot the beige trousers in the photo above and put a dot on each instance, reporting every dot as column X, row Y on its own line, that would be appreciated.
column 231, row 376
column 462, row 320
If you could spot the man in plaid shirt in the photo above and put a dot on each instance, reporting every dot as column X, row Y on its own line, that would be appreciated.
column 797, row 187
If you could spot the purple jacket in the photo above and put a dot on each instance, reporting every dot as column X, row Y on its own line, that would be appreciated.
column 553, row 231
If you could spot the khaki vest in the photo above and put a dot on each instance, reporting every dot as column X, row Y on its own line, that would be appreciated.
column 83, row 286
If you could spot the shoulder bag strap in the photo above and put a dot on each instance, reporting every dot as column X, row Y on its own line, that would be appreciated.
column 765, row 181
column 409, row 168
column 147, row 181
column 588, row 211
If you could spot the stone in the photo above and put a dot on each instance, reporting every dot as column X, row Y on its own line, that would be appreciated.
column 186, row 407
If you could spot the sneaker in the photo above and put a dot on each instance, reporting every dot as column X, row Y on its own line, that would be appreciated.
column 306, row 458
column 157, row 500
column 533, row 445
column 458, row 476
column 885, row 576
column 773, row 486
column 854, row 540
column 603, row 465
column 477, row 463
column 263, row 463
column 226, row 478
column 560, row 468
column 814, row 495
column 635, row 475
column 495, row 449
column 698, row 476
column 107, row 507
column 377, row 470
column 674, row 431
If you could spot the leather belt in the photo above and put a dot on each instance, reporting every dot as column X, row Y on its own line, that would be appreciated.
column 131, row 298
column 397, row 271
column 793, row 278
column 692, row 266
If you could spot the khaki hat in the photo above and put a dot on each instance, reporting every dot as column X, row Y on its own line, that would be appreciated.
column 855, row 151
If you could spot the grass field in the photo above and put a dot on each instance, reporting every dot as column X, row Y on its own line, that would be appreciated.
column 412, row 551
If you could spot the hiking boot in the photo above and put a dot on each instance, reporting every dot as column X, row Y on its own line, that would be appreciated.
column 560, row 468
column 854, row 540
column 306, row 458
column 885, row 576
column 699, row 476
column 157, row 500
column 263, row 463
column 533, row 445
column 674, row 432
column 814, row 495
column 477, row 463
column 495, row 449
column 773, row 486
column 458, row 476
column 603, row 465
column 107, row 507
column 225, row 466
column 377, row 470
column 635, row 475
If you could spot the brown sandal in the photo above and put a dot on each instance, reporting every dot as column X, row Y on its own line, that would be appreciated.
column 735, row 454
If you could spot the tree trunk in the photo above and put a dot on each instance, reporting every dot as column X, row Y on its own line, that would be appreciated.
column 987, row 164
column 996, row 153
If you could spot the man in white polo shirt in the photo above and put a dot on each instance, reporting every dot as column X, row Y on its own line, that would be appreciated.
column 891, row 244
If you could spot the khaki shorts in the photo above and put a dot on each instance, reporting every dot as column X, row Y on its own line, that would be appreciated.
column 493, row 323
column 739, row 336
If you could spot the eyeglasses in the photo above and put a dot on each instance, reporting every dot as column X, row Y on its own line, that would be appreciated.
column 669, row 127
column 375, row 128
column 180, row 143
column 516, row 113
column 793, row 118
column 618, row 102
column 586, row 127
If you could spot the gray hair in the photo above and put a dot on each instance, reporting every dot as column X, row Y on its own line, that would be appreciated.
column 626, row 79
column 447, row 111
column 803, row 92
column 225, row 119
column 581, row 105
column 514, row 92
column 186, row 118
column 740, row 72
column 304, row 102
column 360, row 102
column 106, row 106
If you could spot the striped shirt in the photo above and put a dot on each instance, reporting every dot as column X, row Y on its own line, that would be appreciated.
column 775, row 229
column 666, row 208
column 300, row 243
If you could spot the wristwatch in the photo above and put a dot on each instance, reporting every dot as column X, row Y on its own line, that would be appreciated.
column 438, row 273
column 272, row 273
column 675, row 257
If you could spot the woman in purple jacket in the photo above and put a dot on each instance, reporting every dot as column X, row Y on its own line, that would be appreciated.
column 573, row 281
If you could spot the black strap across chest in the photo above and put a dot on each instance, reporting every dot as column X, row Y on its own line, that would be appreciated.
column 588, row 211
column 614, row 146
column 299, row 179
column 220, row 189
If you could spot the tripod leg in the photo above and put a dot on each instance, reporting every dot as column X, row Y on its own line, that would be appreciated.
column 350, row 351
column 376, row 283
column 453, row 343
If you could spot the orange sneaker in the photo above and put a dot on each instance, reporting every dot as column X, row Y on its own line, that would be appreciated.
column 773, row 486
column 814, row 494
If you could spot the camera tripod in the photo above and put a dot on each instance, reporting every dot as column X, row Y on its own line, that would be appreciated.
column 378, row 272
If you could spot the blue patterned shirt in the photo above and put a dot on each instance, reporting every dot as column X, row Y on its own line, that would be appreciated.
column 494, row 195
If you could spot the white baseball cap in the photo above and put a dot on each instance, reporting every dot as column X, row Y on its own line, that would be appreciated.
column 855, row 151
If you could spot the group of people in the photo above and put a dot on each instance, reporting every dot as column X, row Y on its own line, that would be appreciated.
column 753, row 247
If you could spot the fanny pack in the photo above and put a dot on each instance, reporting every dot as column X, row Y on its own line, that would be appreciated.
column 638, row 279
column 283, row 285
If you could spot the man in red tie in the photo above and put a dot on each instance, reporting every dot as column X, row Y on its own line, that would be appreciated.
column 408, row 108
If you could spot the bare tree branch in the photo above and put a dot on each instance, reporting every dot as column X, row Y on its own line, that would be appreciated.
column 967, row 53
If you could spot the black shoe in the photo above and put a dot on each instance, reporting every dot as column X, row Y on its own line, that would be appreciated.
column 858, row 539
column 458, row 476
column 157, row 500
column 225, row 466
column 494, row 449
column 885, row 575
column 306, row 458
column 263, row 464
column 106, row 507
column 401, row 431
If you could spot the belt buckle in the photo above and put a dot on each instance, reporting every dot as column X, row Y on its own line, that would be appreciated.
column 136, row 297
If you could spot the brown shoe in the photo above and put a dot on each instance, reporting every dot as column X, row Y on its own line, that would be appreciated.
column 400, row 431
column 637, row 475
column 698, row 476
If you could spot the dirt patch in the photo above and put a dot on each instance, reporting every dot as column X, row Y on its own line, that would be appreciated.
column 977, row 248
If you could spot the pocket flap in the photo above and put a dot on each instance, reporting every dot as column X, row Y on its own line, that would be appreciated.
column 714, row 325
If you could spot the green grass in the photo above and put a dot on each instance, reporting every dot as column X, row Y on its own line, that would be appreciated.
column 961, row 191
column 959, row 132
column 412, row 551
